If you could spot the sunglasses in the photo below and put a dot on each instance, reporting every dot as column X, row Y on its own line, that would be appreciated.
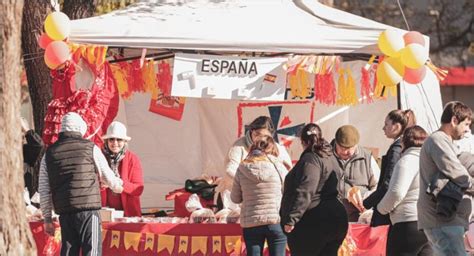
column 115, row 139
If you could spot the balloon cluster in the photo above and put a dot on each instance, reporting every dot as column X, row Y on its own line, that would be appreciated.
column 57, row 26
column 405, row 59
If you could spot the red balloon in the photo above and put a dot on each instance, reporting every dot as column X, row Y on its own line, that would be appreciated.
column 414, row 37
column 414, row 76
column 44, row 40
column 56, row 54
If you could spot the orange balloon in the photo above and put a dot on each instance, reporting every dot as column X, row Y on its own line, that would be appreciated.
column 414, row 37
column 56, row 54
column 414, row 76
column 44, row 40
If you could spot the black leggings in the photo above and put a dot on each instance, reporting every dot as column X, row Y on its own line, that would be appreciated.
column 404, row 239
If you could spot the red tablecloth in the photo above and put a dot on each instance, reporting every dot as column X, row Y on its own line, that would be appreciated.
column 368, row 241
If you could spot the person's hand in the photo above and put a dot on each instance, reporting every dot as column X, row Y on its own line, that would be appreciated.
column 49, row 229
column 118, row 189
column 355, row 197
column 289, row 228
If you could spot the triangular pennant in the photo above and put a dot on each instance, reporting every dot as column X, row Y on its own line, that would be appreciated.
column 198, row 243
column 216, row 244
column 230, row 243
column 149, row 241
column 115, row 239
column 183, row 244
column 131, row 239
column 165, row 242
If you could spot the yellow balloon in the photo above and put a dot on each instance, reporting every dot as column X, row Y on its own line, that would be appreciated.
column 390, row 42
column 414, row 56
column 396, row 64
column 57, row 26
column 390, row 72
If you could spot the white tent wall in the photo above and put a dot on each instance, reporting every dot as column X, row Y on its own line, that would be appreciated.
column 173, row 151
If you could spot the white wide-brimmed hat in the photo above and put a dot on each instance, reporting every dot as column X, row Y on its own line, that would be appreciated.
column 116, row 130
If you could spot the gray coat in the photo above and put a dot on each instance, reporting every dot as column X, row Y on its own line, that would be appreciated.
column 438, row 156
column 258, row 186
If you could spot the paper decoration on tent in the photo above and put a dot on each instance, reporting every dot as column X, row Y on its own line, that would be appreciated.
column 98, row 106
column 366, row 88
column 162, row 102
column 130, row 79
column 321, row 71
column 324, row 86
column 346, row 88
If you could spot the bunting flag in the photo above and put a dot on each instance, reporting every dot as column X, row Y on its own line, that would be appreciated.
column 149, row 241
column 94, row 54
column 299, row 84
column 199, row 243
column 115, row 239
column 149, row 77
column 131, row 239
column 365, row 86
column 183, row 244
column 120, row 79
column 346, row 88
column 165, row 242
column 231, row 243
column 216, row 244
column 104, row 233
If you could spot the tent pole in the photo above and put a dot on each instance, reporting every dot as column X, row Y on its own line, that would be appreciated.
column 399, row 97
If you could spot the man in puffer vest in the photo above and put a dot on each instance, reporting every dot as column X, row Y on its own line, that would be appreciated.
column 70, row 173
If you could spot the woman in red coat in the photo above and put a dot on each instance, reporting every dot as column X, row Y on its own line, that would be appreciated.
column 125, row 165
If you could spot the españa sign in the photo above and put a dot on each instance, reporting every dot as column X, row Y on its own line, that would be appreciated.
column 227, row 77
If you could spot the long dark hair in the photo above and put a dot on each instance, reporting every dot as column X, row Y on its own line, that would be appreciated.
column 406, row 118
column 312, row 137
column 262, row 122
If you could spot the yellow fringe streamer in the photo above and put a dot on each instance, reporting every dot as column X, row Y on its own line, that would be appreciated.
column 440, row 73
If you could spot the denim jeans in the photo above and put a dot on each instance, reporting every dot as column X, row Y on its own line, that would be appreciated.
column 448, row 240
column 255, row 239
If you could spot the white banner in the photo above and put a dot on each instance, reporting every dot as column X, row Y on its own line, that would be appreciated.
column 219, row 77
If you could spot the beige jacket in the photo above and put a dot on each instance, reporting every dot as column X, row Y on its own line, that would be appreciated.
column 237, row 153
column 258, row 186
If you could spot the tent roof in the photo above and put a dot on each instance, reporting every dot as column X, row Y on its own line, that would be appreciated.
column 274, row 26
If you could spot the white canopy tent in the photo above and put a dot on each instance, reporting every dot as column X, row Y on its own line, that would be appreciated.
column 172, row 151
column 300, row 26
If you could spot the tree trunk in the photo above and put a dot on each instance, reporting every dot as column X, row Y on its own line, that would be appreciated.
column 37, row 73
column 78, row 9
column 15, row 234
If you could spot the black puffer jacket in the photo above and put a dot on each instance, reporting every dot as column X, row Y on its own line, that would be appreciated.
column 389, row 161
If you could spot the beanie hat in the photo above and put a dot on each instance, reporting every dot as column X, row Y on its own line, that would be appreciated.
column 73, row 122
column 347, row 136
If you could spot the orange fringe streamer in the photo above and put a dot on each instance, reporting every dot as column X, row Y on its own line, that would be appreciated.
column 440, row 73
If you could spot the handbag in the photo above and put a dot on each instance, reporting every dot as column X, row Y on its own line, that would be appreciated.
column 200, row 187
